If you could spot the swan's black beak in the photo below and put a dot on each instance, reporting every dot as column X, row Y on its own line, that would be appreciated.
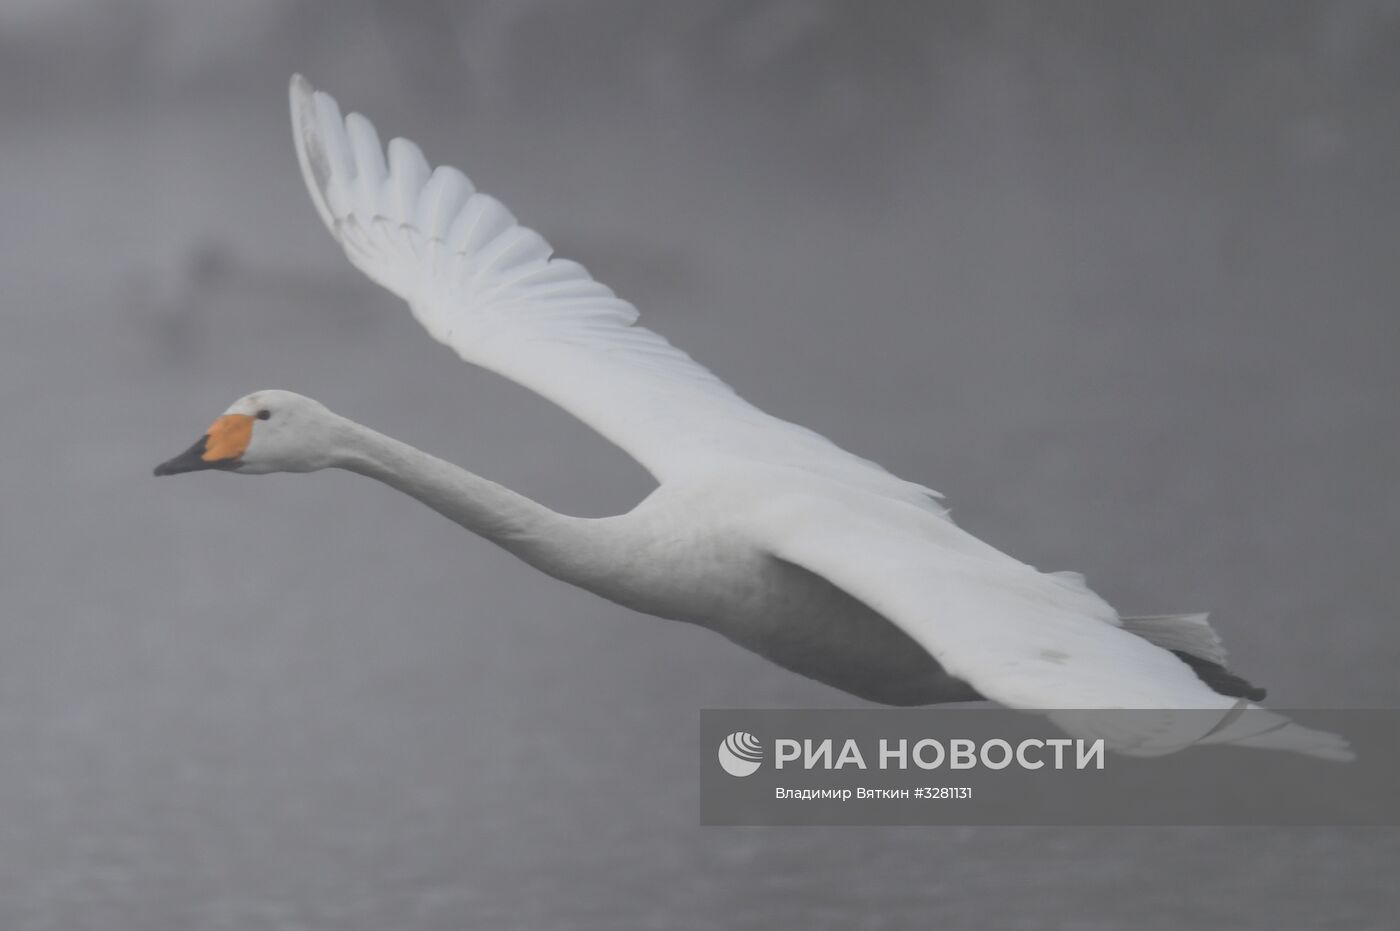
column 191, row 460
column 220, row 448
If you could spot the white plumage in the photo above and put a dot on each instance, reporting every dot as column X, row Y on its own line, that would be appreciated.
column 487, row 287
column 762, row 530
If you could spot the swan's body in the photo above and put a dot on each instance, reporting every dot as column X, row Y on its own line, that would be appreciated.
column 760, row 530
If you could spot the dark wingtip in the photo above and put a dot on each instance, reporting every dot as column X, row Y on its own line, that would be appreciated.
column 1221, row 679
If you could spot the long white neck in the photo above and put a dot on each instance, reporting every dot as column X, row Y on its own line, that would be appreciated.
column 563, row 546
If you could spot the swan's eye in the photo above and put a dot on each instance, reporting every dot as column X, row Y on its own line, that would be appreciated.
column 264, row 414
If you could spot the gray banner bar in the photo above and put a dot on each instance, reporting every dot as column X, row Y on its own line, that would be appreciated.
column 997, row 767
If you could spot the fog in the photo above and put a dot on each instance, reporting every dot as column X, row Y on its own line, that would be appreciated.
column 1118, row 279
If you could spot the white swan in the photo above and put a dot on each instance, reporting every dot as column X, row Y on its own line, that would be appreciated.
column 763, row 531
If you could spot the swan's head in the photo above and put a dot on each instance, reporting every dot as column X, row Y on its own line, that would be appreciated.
column 266, row 431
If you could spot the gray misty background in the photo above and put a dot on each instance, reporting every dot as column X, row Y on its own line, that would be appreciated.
column 1119, row 278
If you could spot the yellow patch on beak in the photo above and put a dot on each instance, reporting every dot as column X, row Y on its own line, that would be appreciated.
column 228, row 437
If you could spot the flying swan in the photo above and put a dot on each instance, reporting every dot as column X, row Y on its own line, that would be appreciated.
column 761, row 530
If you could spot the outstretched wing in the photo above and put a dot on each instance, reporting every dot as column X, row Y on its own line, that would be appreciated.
column 489, row 288
column 1020, row 637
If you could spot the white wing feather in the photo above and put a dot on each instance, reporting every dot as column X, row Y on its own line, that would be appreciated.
column 488, row 288
column 1022, row 638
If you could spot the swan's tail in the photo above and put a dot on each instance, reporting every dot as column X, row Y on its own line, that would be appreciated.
column 1180, row 633
column 1193, row 641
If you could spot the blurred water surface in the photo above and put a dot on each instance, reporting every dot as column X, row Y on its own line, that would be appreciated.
column 1118, row 278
